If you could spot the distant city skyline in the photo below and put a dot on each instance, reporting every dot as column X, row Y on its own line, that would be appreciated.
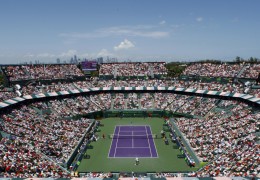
column 148, row 30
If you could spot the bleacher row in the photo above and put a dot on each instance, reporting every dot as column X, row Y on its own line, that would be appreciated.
column 133, row 69
column 41, row 71
column 243, row 70
column 43, row 134
column 219, row 130
column 52, row 134
column 16, row 73
column 58, row 71
column 226, row 137
column 65, row 86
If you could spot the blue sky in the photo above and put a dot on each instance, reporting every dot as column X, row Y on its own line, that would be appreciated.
column 168, row 30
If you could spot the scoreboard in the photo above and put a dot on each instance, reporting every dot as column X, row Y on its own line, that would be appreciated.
column 89, row 65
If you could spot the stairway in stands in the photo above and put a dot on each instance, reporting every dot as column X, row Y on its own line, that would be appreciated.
column 242, row 70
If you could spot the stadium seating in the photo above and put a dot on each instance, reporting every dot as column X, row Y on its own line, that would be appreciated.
column 43, row 133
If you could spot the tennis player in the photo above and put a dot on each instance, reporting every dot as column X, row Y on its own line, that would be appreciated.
column 136, row 161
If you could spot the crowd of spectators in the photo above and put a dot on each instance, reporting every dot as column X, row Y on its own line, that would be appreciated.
column 7, row 94
column 147, row 101
column 42, row 71
column 31, row 89
column 224, row 70
column 20, row 160
column 222, row 132
column 226, row 139
column 16, row 72
column 70, row 107
column 214, row 70
column 210, row 86
column 163, row 100
column 204, row 106
column 52, row 134
column 138, row 83
column 255, row 92
column 118, row 101
column 104, row 101
column 133, row 69
column 184, row 104
column 177, row 103
column 133, row 101
column 251, row 71
column 190, row 105
column 213, row 137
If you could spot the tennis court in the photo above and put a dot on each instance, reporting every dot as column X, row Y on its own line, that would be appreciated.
column 132, row 141
column 98, row 160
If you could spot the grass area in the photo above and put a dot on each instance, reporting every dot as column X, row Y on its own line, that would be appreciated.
column 98, row 160
column 202, row 164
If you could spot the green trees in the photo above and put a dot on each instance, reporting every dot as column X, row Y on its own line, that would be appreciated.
column 1, row 79
column 175, row 68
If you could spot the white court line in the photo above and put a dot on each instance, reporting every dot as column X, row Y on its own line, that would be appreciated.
column 132, row 139
column 133, row 147
column 111, row 143
column 148, row 141
column 117, row 141
column 154, row 143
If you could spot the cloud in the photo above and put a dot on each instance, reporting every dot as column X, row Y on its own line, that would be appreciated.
column 46, row 55
column 126, row 44
column 72, row 52
column 103, row 53
column 162, row 22
column 137, row 31
column 41, row 55
column 29, row 55
column 65, row 55
column 199, row 19
column 69, row 53
column 126, row 31
column 77, row 35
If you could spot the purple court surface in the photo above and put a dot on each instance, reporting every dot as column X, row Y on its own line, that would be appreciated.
column 132, row 141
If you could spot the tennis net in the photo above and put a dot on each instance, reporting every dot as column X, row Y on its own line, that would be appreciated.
column 118, row 136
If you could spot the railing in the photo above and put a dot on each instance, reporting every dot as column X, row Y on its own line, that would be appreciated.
column 178, row 132
column 75, row 151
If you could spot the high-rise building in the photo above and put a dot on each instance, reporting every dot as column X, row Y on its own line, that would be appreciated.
column 58, row 60
column 100, row 60
column 75, row 59
column 71, row 60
